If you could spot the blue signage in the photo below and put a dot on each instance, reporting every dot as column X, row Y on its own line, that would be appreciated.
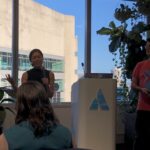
column 99, row 102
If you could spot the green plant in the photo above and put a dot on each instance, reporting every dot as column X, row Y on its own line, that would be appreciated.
column 4, row 107
column 123, row 13
column 127, row 44
column 143, row 6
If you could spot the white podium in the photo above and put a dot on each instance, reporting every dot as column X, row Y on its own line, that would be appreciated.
column 93, row 113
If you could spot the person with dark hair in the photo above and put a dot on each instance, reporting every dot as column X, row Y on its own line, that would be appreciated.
column 36, row 126
column 141, row 83
column 37, row 73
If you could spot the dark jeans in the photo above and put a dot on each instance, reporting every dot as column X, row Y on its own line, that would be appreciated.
column 142, row 127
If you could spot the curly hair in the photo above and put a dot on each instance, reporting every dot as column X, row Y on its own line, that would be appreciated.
column 34, row 106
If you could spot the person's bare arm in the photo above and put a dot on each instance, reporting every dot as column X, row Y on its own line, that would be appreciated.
column 49, row 84
column 24, row 77
column 3, row 143
column 11, row 93
column 11, row 81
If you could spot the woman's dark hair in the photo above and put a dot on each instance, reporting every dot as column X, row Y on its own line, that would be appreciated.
column 34, row 106
column 33, row 51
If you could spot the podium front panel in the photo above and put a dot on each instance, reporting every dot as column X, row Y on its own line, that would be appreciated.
column 93, row 112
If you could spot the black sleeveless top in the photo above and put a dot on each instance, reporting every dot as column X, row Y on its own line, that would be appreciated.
column 37, row 74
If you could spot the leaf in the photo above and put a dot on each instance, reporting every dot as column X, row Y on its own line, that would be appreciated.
column 112, row 25
column 139, row 27
column 104, row 31
column 122, row 6
column 115, row 44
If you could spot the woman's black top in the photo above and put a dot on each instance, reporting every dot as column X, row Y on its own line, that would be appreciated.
column 37, row 74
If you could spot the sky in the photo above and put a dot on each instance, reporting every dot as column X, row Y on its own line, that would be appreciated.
column 102, row 14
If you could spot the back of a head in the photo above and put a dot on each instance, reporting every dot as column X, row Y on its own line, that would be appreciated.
column 34, row 106
column 31, row 95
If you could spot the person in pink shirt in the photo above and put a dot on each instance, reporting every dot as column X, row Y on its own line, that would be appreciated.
column 141, row 83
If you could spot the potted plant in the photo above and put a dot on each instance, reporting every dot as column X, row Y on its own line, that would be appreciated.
column 4, row 107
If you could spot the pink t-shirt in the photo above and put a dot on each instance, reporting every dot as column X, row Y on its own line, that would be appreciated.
column 142, row 74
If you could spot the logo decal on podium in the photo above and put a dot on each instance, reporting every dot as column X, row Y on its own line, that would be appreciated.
column 99, row 102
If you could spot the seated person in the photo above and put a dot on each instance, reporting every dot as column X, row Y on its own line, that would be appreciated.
column 36, row 126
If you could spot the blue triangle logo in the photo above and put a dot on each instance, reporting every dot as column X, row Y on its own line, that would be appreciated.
column 94, row 105
column 99, row 102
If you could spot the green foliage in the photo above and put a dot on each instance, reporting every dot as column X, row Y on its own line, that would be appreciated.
column 143, row 6
column 115, row 34
column 128, row 43
column 104, row 31
column 3, row 108
column 123, row 13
